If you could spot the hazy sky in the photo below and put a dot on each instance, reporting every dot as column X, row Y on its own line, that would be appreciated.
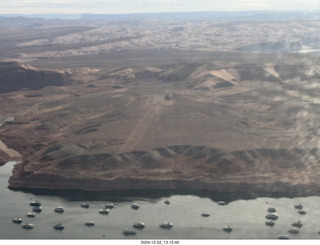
column 143, row 6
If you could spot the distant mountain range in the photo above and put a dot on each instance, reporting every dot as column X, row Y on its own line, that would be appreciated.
column 215, row 15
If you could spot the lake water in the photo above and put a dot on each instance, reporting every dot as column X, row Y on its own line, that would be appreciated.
column 247, row 217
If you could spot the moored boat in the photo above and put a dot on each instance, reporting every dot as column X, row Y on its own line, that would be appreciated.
column 84, row 205
column 297, row 224
column 30, row 215
column 271, row 210
column 295, row 230
column 222, row 203
column 27, row 226
column 272, row 216
column 35, row 203
column 37, row 209
column 17, row 220
column 89, row 223
column 283, row 237
column 301, row 212
column 269, row 223
column 59, row 209
column 58, row 227
column 205, row 214
column 139, row 225
column 298, row 206
column 166, row 225
column 227, row 228
column 109, row 205
column 128, row 232
column 104, row 211
column 135, row 205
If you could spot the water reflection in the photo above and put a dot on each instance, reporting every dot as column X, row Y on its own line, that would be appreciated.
column 245, row 214
column 154, row 195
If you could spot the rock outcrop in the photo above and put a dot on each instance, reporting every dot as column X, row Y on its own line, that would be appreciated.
column 180, row 167
column 15, row 76
column 3, row 158
column 222, row 127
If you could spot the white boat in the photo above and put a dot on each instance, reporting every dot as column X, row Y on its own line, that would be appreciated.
column 37, row 209
column 222, row 203
column 109, row 205
column 104, row 211
column 271, row 210
column 84, row 205
column 17, row 220
column 27, row 226
column 166, row 225
column 297, row 224
column 269, row 223
column 301, row 212
column 283, row 237
column 89, row 223
column 227, row 228
column 35, row 203
column 135, row 205
column 30, row 215
column 59, row 209
column 58, row 227
column 272, row 216
column 128, row 232
column 139, row 225
column 295, row 230
column 205, row 214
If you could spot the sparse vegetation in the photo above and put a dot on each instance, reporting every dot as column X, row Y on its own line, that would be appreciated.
column 238, row 120
column 168, row 96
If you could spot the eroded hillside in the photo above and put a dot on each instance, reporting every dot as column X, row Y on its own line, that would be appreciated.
column 14, row 77
column 191, row 125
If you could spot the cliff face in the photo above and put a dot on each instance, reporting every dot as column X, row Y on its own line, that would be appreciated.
column 14, row 77
column 3, row 158
column 116, row 129
column 183, row 167
column 162, row 105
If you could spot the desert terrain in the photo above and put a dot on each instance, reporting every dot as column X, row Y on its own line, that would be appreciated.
column 161, row 104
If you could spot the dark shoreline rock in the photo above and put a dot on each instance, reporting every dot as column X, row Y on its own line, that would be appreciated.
column 15, row 76
column 58, row 184
column 189, row 168
column 4, row 158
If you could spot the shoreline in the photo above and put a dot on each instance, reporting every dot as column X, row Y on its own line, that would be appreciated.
column 214, row 194
column 184, row 169
column 134, row 186
column 98, row 188
column 8, row 154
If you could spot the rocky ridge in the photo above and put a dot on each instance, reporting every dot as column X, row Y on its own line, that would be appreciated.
column 15, row 76
column 192, row 125
column 180, row 167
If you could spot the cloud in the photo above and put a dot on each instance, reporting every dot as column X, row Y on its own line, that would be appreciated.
column 134, row 6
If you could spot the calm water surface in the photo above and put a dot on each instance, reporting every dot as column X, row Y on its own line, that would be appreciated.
column 247, row 217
